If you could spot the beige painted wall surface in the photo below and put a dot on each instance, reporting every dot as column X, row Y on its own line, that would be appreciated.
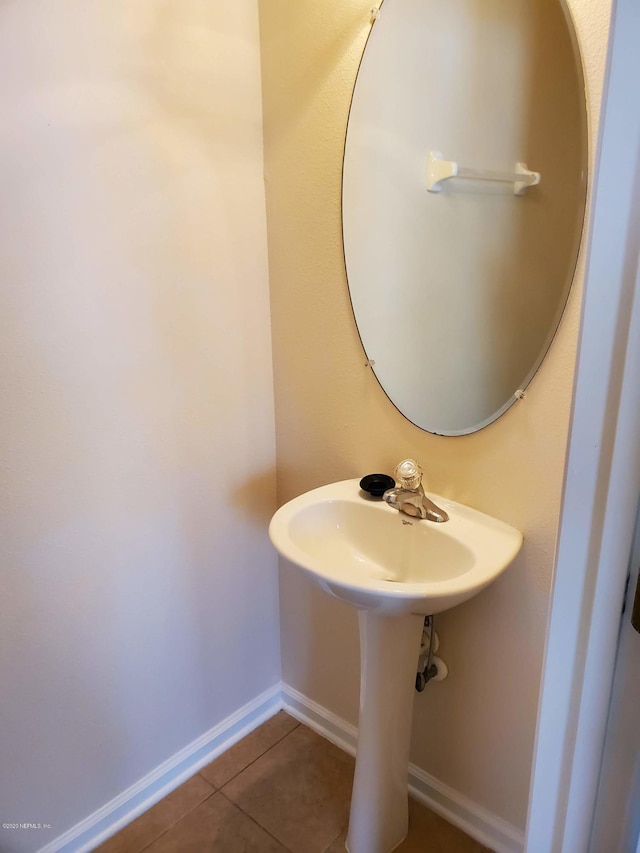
column 136, row 395
column 474, row 731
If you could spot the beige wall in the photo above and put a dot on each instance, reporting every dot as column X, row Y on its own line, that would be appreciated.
column 474, row 732
column 136, row 394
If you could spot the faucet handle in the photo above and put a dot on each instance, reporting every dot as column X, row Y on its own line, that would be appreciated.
column 408, row 474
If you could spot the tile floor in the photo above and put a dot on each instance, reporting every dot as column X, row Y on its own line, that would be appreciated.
column 281, row 789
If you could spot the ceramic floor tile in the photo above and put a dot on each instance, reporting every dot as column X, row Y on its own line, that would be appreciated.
column 243, row 753
column 215, row 825
column 158, row 818
column 442, row 837
column 428, row 833
column 299, row 791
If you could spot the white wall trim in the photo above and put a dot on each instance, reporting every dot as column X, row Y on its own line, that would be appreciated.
column 476, row 821
column 601, row 484
column 120, row 811
column 320, row 719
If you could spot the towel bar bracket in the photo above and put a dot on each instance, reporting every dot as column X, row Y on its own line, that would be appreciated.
column 439, row 170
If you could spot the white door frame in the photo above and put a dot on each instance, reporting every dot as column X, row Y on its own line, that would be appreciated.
column 602, row 479
column 617, row 815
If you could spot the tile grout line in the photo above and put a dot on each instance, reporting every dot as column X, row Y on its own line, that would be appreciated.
column 257, row 823
column 255, row 820
column 188, row 811
column 333, row 840
column 217, row 790
column 215, row 787
column 257, row 758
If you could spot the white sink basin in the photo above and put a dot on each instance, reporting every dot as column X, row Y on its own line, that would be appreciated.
column 395, row 569
column 375, row 557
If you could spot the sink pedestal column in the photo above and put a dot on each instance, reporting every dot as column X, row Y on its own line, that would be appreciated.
column 389, row 651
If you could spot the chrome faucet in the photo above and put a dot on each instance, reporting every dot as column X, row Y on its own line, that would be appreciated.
column 409, row 497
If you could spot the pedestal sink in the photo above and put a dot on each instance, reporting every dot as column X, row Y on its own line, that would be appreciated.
column 395, row 570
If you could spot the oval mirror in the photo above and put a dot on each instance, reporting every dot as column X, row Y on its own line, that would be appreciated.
column 464, row 187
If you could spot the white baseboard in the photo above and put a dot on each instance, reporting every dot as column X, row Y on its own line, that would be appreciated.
column 318, row 718
column 476, row 821
column 473, row 819
column 106, row 821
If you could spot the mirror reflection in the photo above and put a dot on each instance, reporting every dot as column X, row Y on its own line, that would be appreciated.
column 458, row 282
